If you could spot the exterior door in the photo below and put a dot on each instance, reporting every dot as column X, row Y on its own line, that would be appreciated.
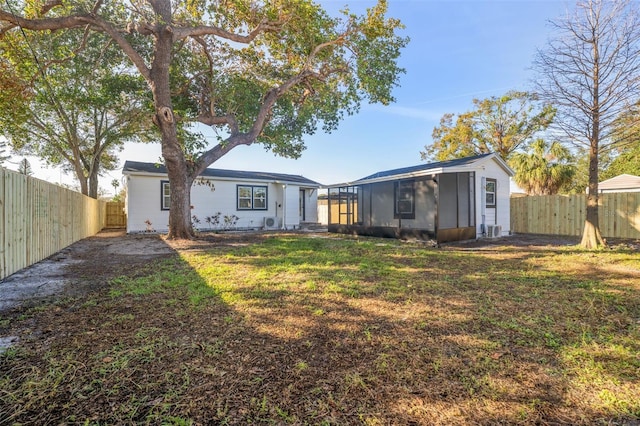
column 302, row 206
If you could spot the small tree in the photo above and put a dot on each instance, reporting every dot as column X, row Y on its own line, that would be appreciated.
column 590, row 71
column 115, row 183
column 3, row 150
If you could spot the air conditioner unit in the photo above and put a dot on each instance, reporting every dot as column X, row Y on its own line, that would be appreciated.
column 270, row 222
column 494, row 231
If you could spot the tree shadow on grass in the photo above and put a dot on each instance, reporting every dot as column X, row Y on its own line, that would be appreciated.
column 321, row 331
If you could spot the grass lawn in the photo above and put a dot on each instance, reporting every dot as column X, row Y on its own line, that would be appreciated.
column 295, row 329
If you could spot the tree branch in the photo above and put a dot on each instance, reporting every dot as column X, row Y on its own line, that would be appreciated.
column 76, row 21
column 203, row 30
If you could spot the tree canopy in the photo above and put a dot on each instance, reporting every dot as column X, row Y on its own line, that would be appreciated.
column 497, row 124
column 544, row 169
column 266, row 72
column 624, row 155
column 82, row 105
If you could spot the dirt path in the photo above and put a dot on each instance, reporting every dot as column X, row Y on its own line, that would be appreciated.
column 84, row 265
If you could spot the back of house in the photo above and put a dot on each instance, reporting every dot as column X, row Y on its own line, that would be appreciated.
column 220, row 199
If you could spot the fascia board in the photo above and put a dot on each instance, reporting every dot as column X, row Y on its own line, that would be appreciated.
column 227, row 179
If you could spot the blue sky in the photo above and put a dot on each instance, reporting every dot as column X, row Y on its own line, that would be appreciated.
column 459, row 50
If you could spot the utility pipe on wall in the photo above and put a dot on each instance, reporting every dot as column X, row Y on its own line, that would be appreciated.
column 284, row 206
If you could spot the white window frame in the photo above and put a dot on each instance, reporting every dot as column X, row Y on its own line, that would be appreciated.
column 165, row 195
column 493, row 194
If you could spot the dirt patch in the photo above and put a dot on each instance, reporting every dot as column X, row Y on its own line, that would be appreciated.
column 537, row 242
column 84, row 266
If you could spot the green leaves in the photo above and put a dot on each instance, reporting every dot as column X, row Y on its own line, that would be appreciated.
column 503, row 125
column 545, row 169
column 269, row 72
column 83, row 103
column 321, row 68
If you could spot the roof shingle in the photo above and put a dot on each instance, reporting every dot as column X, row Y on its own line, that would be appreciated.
column 156, row 168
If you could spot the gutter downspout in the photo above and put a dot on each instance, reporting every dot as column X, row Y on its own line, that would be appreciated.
column 284, row 206
column 483, row 199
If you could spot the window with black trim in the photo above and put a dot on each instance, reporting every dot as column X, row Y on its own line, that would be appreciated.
column 490, row 191
column 404, row 200
column 251, row 197
column 165, row 195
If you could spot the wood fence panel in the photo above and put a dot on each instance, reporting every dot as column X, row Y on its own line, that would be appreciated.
column 619, row 214
column 3, row 233
column 37, row 219
column 116, row 217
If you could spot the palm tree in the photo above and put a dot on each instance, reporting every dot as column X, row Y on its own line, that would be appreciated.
column 545, row 169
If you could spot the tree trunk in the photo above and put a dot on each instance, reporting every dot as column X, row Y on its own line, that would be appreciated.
column 84, row 186
column 179, row 177
column 93, row 184
column 591, row 236
column 180, row 211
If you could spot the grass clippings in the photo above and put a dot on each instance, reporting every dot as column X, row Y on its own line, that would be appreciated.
column 295, row 329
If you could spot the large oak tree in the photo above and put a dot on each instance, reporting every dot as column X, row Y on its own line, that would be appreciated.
column 590, row 71
column 262, row 71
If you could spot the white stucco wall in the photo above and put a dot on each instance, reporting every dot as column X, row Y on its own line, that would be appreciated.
column 311, row 205
column 491, row 170
column 292, row 207
column 144, row 203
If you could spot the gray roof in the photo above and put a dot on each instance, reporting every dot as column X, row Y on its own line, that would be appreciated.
column 422, row 167
column 160, row 169
column 620, row 183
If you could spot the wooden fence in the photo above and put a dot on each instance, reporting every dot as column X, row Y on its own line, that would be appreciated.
column 37, row 219
column 115, row 215
column 619, row 214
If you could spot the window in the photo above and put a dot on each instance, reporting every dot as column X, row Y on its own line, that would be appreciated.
column 404, row 195
column 252, row 197
column 165, row 195
column 490, row 191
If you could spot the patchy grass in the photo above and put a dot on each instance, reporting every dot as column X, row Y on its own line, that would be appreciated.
column 301, row 330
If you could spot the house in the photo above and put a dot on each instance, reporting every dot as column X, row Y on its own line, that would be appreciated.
column 620, row 183
column 453, row 200
column 220, row 199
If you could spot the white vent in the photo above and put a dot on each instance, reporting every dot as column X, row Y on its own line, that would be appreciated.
column 494, row 231
column 270, row 222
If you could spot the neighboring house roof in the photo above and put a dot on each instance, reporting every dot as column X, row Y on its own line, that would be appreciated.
column 451, row 166
column 139, row 168
column 624, row 182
